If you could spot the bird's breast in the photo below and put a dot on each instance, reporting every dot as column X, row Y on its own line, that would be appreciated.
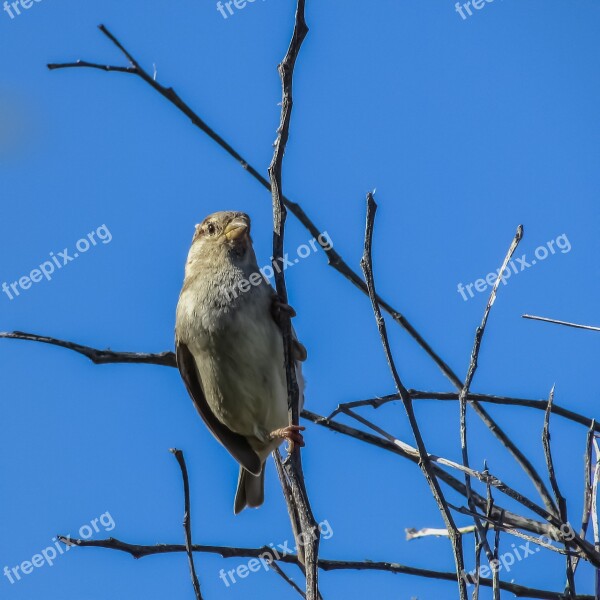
column 239, row 353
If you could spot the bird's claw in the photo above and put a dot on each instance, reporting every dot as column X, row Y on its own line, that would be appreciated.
column 291, row 433
column 278, row 307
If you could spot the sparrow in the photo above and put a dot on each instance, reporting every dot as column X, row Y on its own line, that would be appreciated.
column 229, row 349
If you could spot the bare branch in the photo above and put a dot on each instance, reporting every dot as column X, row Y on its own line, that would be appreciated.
column 288, row 496
column 504, row 400
column 587, row 488
column 496, row 572
column 366, row 264
column 415, row 534
column 298, row 503
column 99, row 357
column 139, row 551
column 488, row 513
column 285, row 577
column 187, row 520
column 90, row 65
column 286, row 72
column 560, row 500
column 481, row 534
column 566, row 323
column 595, row 526
column 379, row 401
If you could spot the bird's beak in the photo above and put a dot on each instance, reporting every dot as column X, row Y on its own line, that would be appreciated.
column 236, row 229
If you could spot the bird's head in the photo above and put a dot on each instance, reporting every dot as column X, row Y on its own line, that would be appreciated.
column 223, row 236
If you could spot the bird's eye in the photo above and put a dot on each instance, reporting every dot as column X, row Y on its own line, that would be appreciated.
column 210, row 228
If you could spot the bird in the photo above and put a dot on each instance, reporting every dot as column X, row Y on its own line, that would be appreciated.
column 229, row 349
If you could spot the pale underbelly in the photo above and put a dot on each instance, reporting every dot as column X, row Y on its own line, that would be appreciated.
column 244, row 384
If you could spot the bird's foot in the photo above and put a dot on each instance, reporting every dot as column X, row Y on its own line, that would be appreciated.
column 278, row 307
column 291, row 433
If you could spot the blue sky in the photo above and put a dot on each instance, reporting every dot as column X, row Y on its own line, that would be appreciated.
column 466, row 128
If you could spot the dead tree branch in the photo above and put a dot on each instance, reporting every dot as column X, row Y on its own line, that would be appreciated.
column 587, row 487
column 480, row 532
column 566, row 323
column 277, row 569
column 366, row 264
column 560, row 499
column 187, row 520
column 299, row 508
column 98, row 357
column 140, row 551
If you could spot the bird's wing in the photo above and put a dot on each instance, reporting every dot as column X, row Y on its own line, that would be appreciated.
column 236, row 444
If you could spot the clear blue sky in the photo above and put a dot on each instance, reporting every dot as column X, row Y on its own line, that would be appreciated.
column 466, row 127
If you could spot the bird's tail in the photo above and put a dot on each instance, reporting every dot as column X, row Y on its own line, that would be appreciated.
column 250, row 490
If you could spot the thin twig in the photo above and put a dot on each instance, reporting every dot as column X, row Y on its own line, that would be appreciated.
column 587, row 488
column 98, row 357
column 415, row 534
column 560, row 499
column 478, row 548
column 366, row 264
column 286, row 72
column 467, row 387
column 379, row 401
column 479, row 544
column 300, row 510
column 566, row 323
column 496, row 571
column 187, row 520
column 594, row 511
column 286, row 578
column 494, row 562
column 288, row 496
